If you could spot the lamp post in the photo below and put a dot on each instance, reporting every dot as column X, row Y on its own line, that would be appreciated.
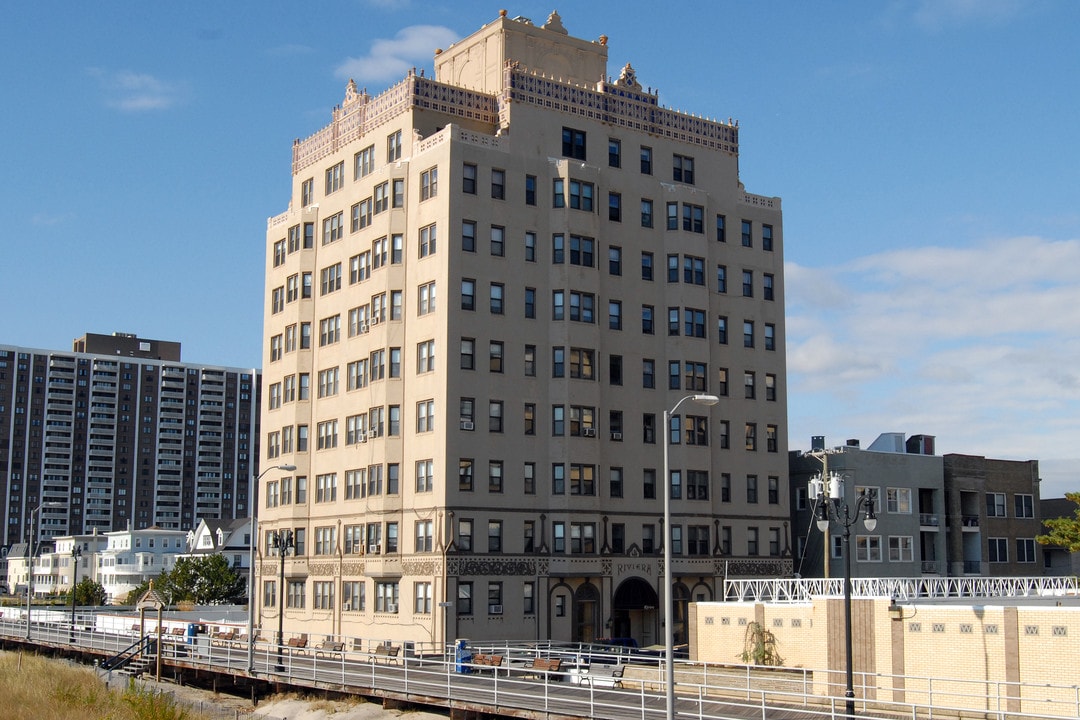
column 251, row 564
column 669, row 603
column 828, row 492
column 76, row 553
column 282, row 541
column 30, row 559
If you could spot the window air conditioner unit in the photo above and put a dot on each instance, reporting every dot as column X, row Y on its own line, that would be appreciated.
column 391, row 607
column 373, row 433
column 616, row 436
column 374, row 549
column 467, row 425
column 375, row 320
column 589, row 432
column 494, row 609
column 363, row 328
column 363, row 436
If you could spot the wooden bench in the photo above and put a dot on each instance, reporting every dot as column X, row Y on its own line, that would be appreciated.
column 481, row 662
column 387, row 653
column 297, row 645
column 604, row 678
column 329, row 648
column 541, row 667
column 223, row 638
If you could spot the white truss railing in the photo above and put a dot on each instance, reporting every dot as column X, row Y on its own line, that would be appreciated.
column 782, row 590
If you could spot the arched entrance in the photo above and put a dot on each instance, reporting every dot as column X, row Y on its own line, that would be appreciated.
column 634, row 611
column 586, row 613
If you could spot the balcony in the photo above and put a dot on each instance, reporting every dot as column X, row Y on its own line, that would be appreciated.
column 972, row 567
column 929, row 520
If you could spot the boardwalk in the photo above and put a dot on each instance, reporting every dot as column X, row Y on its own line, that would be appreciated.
column 576, row 690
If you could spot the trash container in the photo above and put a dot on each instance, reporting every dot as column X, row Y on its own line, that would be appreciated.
column 192, row 628
column 462, row 656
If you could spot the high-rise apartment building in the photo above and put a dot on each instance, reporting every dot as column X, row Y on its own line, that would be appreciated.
column 123, row 437
column 487, row 289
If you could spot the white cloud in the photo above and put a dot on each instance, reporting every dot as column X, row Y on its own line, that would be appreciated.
column 935, row 15
column 136, row 92
column 976, row 345
column 392, row 59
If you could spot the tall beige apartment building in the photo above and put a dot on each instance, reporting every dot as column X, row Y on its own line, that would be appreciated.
column 487, row 289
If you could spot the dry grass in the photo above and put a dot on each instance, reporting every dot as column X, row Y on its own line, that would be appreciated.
column 35, row 688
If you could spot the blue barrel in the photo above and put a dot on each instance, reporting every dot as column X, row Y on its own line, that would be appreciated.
column 462, row 657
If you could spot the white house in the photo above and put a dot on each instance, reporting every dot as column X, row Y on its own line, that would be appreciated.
column 134, row 556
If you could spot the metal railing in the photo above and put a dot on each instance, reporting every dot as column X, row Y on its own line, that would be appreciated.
column 706, row 691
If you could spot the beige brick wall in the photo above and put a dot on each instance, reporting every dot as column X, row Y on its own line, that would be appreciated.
column 968, row 656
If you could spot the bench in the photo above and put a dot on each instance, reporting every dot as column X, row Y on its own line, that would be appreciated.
column 297, row 645
column 329, row 648
column 611, row 678
column 481, row 662
column 388, row 653
column 541, row 667
column 223, row 638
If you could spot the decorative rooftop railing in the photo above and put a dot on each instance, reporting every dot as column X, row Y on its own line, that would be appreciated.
column 804, row 589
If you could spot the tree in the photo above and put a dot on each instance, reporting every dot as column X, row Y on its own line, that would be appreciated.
column 88, row 592
column 1063, row 531
column 759, row 646
column 205, row 580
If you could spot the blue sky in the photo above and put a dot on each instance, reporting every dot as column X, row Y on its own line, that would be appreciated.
column 926, row 151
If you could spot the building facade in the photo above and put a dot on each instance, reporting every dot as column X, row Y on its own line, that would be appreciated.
column 131, row 557
column 950, row 515
column 129, row 437
column 487, row 289
column 907, row 481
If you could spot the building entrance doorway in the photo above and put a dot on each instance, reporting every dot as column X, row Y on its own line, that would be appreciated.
column 634, row 612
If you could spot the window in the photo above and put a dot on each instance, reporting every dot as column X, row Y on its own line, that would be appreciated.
column 646, row 266
column 425, row 299
column 494, row 536
column 428, row 238
column 329, row 330
column 648, row 539
column 495, row 602
column 464, row 598
column 582, row 538
column 277, row 302
column 751, row 489
column 748, row 384
column 496, row 298
column 364, row 162
column 498, row 240
column 998, row 550
column 693, row 218
column 530, row 247
column 279, row 253
column 682, row 169
column 495, row 416
column 995, row 505
column 615, row 482
column 425, row 416
column 770, row 336
column 673, row 216
column 615, row 207
column 558, row 193
column 693, row 270
column 646, row 160
column 614, row 152
column 393, row 146
column 646, row 213
column 530, row 302
column 582, row 363
column 422, row 598
column 647, row 325
column 359, row 267
column 582, row 250
column 468, row 353
column 1025, row 506
column 386, row 596
column 900, row 548
column 868, row 548
column 498, row 184
column 327, row 434
column 325, row 540
column 615, row 260
column 468, row 178
column 468, row 236
column 334, row 177
column 1025, row 550
column 898, row 500
column 768, row 286
column 582, row 307
column 328, row 382
column 721, row 329
column 333, row 228
column 770, row 387
column 468, row 294
column 748, row 333
column 423, row 536
column 425, row 475
column 331, row 279
column 464, row 536
column 752, row 541
column 573, row 143
column 581, row 196
column 425, row 357
column 530, row 189
column 465, row 474
column 530, row 418
column 530, row 360
column 751, row 437
column 771, row 438
column 747, row 233
column 615, row 315
column 693, row 323
column 648, row 373
column 294, row 596
column 528, row 478
column 307, row 192
column 429, row 183
column 766, row 238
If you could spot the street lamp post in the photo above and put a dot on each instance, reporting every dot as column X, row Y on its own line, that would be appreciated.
column 282, row 541
column 828, row 492
column 252, row 539
column 30, row 559
column 669, row 603
column 76, row 553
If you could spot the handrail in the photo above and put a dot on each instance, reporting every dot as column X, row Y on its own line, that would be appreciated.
column 145, row 644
